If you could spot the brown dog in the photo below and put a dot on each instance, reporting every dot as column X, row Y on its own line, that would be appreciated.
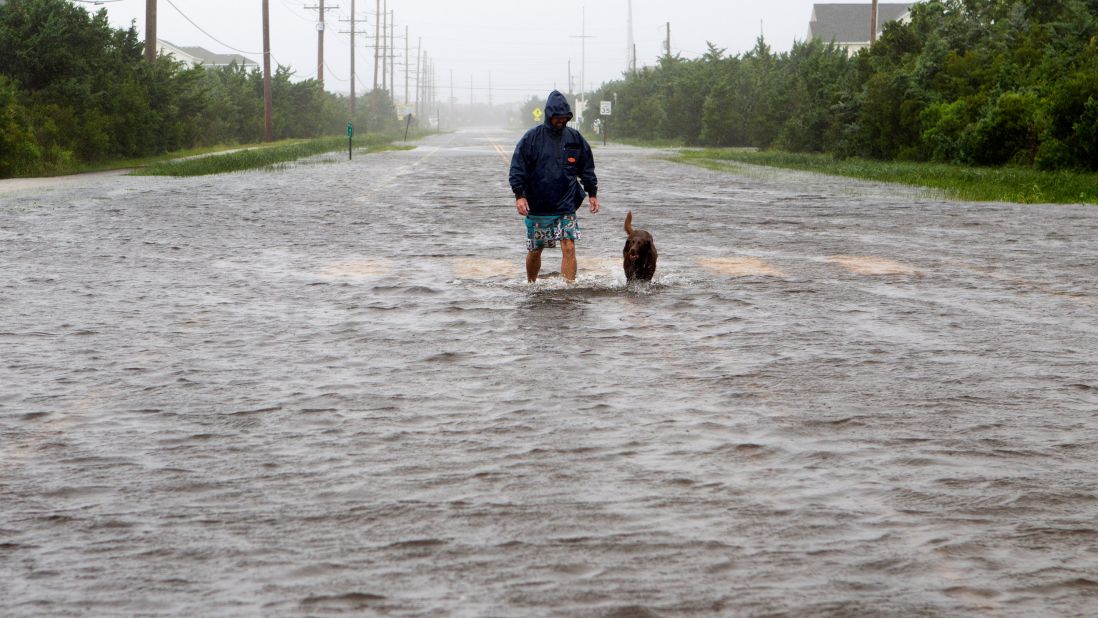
column 639, row 255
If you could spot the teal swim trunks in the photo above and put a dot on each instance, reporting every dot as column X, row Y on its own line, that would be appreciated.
column 545, row 231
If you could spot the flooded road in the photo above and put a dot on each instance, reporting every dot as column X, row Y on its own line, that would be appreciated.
column 329, row 390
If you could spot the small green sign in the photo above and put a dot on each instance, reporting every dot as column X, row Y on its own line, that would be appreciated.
column 350, row 130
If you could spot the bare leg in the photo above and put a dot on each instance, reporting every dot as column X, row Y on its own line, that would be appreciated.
column 568, row 259
column 533, row 265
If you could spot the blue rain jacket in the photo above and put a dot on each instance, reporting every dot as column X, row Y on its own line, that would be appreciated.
column 553, row 169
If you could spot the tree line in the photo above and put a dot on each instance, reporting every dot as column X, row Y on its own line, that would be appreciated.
column 75, row 90
column 983, row 82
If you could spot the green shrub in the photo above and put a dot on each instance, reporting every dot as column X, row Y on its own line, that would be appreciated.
column 1008, row 131
column 19, row 152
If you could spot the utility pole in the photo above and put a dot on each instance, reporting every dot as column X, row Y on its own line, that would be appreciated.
column 320, row 39
column 873, row 23
column 354, row 77
column 392, row 57
column 667, row 43
column 407, row 65
column 583, row 53
column 630, row 46
column 150, row 31
column 428, row 67
column 419, row 75
column 320, row 44
column 385, row 45
column 268, row 108
column 377, row 39
column 353, row 60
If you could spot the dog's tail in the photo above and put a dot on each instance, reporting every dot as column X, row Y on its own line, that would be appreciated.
column 629, row 222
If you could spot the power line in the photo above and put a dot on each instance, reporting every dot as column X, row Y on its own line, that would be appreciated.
column 338, row 79
column 295, row 13
column 207, row 33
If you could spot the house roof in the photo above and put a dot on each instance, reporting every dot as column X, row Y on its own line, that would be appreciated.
column 168, row 48
column 200, row 55
column 210, row 58
column 849, row 23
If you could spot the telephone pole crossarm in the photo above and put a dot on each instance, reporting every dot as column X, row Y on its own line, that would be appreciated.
column 321, row 10
column 583, row 36
column 352, row 32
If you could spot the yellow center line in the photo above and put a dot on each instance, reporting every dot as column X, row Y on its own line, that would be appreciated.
column 501, row 151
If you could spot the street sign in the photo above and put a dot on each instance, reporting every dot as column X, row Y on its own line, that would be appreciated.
column 604, row 108
column 350, row 130
column 537, row 114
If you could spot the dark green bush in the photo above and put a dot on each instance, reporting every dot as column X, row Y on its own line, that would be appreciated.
column 1011, row 81
column 72, row 89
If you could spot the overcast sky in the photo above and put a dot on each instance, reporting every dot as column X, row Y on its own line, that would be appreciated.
column 524, row 47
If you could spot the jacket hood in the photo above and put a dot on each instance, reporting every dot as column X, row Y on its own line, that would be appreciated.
column 556, row 105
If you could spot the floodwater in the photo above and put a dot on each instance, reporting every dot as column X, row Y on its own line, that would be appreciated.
column 329, row 390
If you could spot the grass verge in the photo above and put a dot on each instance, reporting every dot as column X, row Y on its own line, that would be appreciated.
column 977, row 184
column 263, row 157
column 72, row 168
column 640, row 143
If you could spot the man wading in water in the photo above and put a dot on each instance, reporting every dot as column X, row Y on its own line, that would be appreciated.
column 550, row 163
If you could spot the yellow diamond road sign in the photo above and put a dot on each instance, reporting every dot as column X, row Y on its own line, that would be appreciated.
column 537, row 114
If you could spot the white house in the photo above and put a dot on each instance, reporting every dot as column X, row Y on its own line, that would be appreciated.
column 847, row 25
column 196, row 56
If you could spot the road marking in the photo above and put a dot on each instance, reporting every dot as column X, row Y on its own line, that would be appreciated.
column 740, row 267
column 356, row 269
column 501, row 151
column 472, row 268
column 476, row 268
column 871, row 265
column 600, row 264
